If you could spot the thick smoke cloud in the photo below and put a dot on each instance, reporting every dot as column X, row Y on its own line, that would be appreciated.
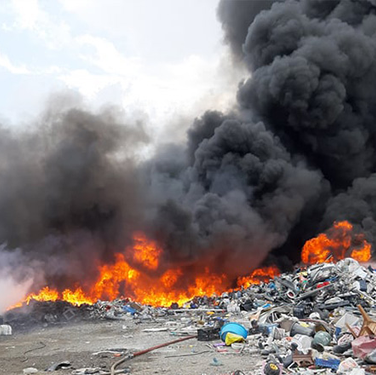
column 69, row 192
column 239, row 196
column 357, row 204
column 296, row 154
column 313, row 85
column 72, row 172
column 236, row 20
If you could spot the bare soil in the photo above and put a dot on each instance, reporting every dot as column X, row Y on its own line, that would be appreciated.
column 41, row 347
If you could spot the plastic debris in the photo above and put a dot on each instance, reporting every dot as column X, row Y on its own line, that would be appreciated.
column 317, row 319
column 60, row 365
column 30, row 370
column 347, row 365
column 5, row 330
column 216, row 362
column 232, row 338
column 363, row 345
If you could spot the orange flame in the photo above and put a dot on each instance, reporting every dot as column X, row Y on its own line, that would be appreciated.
column 145, row 286
column 339, row 242
column 146, row 252
column 45, row 294
column 76, row 297
column 258, row 275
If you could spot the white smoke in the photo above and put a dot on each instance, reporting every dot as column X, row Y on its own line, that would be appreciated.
column 11, row 292
column 15, row 278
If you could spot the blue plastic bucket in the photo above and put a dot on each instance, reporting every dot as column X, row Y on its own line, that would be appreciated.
column 235, row 328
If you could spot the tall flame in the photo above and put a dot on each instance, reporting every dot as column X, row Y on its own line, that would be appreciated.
column 146, row 286
column 339, row 242
column 143, row 286
column 146, row 252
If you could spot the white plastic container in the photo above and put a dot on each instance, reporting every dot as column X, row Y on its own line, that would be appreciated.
column 5, row 330
column 303, row 342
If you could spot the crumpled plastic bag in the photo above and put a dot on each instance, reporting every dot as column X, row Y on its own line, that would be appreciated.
column 232, row 337
column 347, row 364
column 363, row 345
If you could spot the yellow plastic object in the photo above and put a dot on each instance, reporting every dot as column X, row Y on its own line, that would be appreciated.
column 232, row 337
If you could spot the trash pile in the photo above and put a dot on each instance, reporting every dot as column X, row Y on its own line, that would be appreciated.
column 48, row 313
column 317, row 319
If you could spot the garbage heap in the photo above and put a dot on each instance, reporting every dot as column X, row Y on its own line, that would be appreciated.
column 317, row 319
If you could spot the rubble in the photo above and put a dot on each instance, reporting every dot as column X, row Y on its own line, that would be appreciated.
column 317, row 318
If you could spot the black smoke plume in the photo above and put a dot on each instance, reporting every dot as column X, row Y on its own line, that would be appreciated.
column 313, row 70
column 296, row 154
column 236, row 19
column 69, row 194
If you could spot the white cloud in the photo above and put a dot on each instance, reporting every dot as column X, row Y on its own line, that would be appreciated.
column 30, row 16
column 7, row 64
column 76, row 5
column 107, row 57
column 164, row 60
column 88, row 84
column 162, row 30
column 14, row 69
column 171, row 95
column 27, row 13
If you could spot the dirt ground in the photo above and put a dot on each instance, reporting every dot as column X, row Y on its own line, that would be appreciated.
column 77, row 343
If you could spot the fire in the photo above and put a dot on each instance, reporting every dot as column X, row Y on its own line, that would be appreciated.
column 146, row 253
column 76, row 297
column 339, row 242
column 121, row 278
column 259, row 275
column 147, row 286
column 46, row 294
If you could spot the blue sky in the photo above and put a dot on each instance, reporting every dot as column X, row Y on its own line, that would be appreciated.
column 164, row 58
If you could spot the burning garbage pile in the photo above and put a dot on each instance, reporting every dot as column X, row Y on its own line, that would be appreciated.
column 107, row 235
column 295, row 154
column 318, row 317
column 162, row 291
column 141, row 285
